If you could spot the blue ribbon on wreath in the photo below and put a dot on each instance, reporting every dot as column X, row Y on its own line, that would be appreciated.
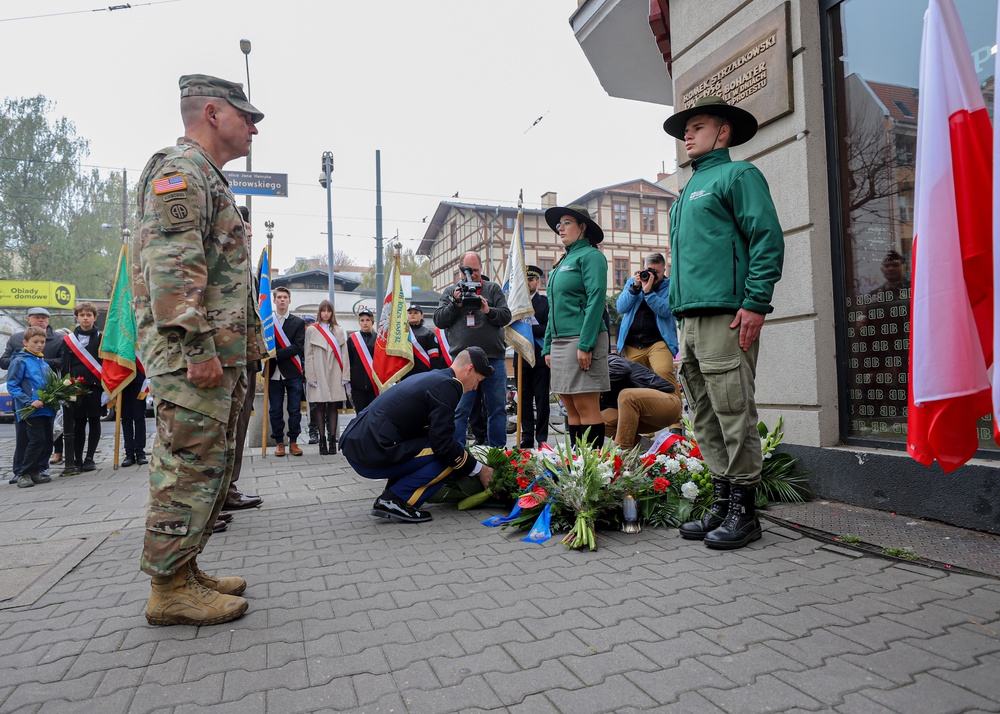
column 494, row 521
column 541, row 531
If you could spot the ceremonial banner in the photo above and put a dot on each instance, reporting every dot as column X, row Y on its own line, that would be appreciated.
column 265, row 304
column 951, row 339
column 518, row 332
column 118, row 342
column 393, row 351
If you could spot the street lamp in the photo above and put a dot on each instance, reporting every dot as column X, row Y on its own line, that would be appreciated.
column 324, row 181
column 245, row 49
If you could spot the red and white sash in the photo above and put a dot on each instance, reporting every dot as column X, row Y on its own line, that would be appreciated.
column 89, row 361
column 366, row 357
column 445, row 347
column 140, row 370
column 282, row 338
column 332, row 341
column 419, row 352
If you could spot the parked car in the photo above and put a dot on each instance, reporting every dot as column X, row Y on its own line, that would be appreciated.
column 6, row 401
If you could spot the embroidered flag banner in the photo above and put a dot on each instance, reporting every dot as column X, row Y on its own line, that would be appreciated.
column 951, row 339
column 518, row 332
column 393, row 351
column 264, row 301
column 117, row 349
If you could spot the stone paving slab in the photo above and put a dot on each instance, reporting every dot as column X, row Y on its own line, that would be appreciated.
column 950, row 546
column 350, row 613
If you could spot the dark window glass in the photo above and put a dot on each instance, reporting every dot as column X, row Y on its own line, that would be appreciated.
column 876, row 130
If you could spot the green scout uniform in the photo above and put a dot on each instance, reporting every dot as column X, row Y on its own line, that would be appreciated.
column 191, row 273
column 726, row 250
column 577, row 289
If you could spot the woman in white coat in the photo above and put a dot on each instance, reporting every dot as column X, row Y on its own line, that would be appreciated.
column 328, row 374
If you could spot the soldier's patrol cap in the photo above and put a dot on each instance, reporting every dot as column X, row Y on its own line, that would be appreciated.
column 534, row 271
column 480, row 361
column 203, row 85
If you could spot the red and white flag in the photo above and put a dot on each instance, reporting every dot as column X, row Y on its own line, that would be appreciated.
column 951, row 339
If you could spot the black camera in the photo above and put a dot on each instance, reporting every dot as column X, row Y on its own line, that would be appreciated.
column 471, row 291
column 646, row 274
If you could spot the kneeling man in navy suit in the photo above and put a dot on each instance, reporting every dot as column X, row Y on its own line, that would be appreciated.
column 407, row 436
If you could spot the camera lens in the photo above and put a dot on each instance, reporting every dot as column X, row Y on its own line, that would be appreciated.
column 645, row 274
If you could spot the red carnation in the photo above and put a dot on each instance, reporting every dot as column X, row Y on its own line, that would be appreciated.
column 660, row 484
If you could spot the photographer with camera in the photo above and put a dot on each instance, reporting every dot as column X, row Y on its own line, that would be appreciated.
column 648, row 331
column 474, row 312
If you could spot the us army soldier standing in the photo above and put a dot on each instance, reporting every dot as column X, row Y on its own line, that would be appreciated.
column 198, row 326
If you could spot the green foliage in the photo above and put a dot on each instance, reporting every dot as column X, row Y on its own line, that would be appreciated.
column 850, row 539
column 779, row 480
column 905, row 553
column 417, row 266
column 51, row 210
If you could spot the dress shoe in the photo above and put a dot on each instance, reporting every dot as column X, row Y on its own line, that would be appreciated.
column 88, row 465
column 219, row 526
column 140, row 458
column 128, row 461
column 55, row 459
column 294, row 449
column 279, row 450
column 390, row 506
column 239, row 501
column 226, row 516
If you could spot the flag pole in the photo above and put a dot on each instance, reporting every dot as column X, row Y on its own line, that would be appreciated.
column 520, row 396
column 118, row 429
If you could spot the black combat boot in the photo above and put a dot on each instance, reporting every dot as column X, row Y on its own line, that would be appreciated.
column 696, row 530
column 740, row 526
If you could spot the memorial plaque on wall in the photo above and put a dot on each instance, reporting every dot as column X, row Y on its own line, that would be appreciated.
column 751, row 71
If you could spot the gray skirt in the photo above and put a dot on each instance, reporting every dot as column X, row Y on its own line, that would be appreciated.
column 566, row 375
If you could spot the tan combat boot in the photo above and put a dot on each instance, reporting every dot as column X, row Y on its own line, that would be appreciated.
column 179, row 599
column 227, row 586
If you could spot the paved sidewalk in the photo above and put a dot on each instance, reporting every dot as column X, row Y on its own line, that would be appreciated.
column 350, row 613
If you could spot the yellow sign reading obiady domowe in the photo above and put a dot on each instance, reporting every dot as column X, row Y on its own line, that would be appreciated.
column 36, row 293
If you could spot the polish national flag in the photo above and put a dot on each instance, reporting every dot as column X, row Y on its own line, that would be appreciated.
column 951, row 331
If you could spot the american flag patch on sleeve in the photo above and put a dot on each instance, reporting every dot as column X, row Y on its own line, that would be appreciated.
column 168, row 184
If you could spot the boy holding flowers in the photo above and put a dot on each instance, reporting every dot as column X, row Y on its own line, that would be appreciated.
column 27, row 375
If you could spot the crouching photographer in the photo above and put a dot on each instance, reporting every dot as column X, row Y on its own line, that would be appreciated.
column 648, row 331
column 478, row 323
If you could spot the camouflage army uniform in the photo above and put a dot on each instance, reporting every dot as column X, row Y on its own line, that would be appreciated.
column 191, row 273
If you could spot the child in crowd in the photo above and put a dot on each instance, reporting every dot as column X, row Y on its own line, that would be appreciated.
column 80, row 359
column 27, row 374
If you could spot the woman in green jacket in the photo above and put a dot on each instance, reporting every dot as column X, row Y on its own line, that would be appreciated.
column 576, row 338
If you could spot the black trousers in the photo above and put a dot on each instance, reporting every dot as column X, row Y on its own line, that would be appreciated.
column 534, row 398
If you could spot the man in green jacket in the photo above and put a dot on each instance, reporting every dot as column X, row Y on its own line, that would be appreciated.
column 727, row 249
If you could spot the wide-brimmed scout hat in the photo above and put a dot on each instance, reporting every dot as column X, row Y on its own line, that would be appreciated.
column 743, row 122
column 595, row 234
column 203, row 85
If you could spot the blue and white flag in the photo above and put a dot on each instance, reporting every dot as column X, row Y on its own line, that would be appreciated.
column 518, row 332
column 264, row 303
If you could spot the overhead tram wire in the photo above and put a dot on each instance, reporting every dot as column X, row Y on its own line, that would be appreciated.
column 110, row 8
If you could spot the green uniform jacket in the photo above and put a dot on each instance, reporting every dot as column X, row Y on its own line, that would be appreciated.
column 191, row 276
column 726, row 243
column 577, row 290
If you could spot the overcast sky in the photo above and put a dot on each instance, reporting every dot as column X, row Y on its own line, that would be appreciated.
column 447, row 89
